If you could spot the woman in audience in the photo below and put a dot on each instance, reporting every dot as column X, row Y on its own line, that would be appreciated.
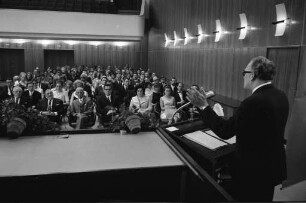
column 60, row 93
column 23, row 80
column 168, row 106
column 149, row 89
column 140, row 103
column 29, row 77
column 76, row 84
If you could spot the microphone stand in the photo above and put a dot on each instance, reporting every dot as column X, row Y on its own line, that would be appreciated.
column 177, row 110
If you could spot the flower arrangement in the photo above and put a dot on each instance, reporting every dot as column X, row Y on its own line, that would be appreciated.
column 34, row 122
column 133, row 121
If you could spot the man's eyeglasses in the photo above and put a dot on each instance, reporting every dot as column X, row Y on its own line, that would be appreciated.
column 245, row 72
column 108, row 89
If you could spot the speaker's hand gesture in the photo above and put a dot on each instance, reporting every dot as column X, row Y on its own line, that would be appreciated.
column 196, row 98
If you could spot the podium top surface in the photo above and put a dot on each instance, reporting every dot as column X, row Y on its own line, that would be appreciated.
column 43, row 155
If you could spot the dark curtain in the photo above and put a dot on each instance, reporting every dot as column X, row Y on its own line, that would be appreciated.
column 55, row 58
column 11, row 63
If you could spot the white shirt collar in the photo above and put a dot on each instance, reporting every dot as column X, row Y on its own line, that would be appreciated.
column 267, row 83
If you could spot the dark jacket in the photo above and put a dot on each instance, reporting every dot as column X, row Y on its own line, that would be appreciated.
column 4, row 92
column 259, row 126
column 178, row 98
column 31, row 101
column 104, row 105
column 57, row 106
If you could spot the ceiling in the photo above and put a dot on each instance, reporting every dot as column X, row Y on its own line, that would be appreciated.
column 89, row 6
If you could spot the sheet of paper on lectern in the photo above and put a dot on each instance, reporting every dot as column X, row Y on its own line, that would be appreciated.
column 229, row 141
column 205, row 140
column 171, row 129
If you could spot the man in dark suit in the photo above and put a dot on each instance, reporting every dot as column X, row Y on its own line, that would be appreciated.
column 31, row 96
column 107, row 104
column 173, row 84
column 17, row 99
column 81, row 110
column 51, row 107
column 259, row 125
column 180, row 96
column 87, row 84
column 7, row 90
column 100, row 89
column 126, row 92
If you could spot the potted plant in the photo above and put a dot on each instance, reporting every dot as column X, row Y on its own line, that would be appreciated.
column 16, row 120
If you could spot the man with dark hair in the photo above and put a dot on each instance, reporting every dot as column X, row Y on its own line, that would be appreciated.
column 173, row 84
column 100, row 89
column 51, row 107
column 180, row 96
column 7, row 90
column 81, row 110
column 259, row 126
column 31, row 96
column 87, row 84
column 107, row 104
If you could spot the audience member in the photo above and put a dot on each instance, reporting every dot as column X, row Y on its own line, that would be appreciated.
column 81, row 110
column 17, row 92
column 140, row 103
column 31, row 97
column 60, row 93
column 168, row 106
column 51, row 107
column 107, row 104
column 7, row 90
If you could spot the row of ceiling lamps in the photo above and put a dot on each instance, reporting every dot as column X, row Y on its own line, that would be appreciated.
column 69, row 42
column 282, row 21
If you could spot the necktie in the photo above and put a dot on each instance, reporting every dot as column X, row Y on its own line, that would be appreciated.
column 49, row 105
column 109, row 99
column 81, row 106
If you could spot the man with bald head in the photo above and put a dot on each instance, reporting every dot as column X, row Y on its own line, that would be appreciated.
column 81, row 110
column 51, row 107
column 259, row 125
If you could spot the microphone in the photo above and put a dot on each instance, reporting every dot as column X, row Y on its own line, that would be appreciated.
column 208, row 94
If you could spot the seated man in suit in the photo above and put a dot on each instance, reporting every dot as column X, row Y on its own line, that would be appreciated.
column 17, row 99
column 81, row 110
column 7, row 91
column 173, row 84
column 51, row 107
column 99, row 90
column 180, row 96
column 107, row 104
column 127, row 92
column 31, row 96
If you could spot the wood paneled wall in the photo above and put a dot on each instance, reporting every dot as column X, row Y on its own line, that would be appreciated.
column 218, row 65
column 105, row 54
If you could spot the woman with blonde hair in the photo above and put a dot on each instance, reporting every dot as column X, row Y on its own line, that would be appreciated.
column 76, row 84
